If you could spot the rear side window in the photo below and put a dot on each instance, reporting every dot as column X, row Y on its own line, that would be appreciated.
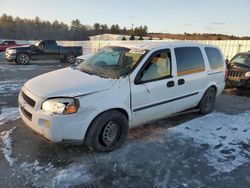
column 49, row 43
column 214, row 57
column 189, row 60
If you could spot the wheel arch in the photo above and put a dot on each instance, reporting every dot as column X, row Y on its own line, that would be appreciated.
column 121, row 110
column 28, row 54
column 212, row 85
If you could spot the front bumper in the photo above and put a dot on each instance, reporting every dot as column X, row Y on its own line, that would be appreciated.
column 10, row 57
column 55, row 128
column 238, row 83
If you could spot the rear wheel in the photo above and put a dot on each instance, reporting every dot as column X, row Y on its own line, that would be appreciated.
column 108, row 131
column 206, row 104
column 71, row 59
column 23, row 59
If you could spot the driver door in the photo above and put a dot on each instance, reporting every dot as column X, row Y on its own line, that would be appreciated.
column 153, row 89
column 37, row 52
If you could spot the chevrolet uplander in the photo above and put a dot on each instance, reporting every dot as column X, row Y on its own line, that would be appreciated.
column 119, row 87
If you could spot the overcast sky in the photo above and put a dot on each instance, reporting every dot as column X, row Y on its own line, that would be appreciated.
column 173, row 16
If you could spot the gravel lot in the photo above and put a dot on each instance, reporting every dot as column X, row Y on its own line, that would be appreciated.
column 186, row 150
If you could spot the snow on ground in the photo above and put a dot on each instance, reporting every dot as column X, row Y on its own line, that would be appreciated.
column 34, row 172
column 226, row 137
column 12, row 67
column 16, row 68
column 36, row 167
column 10, row 87
column 7, row 146
column 71, row 177
column 9, row 114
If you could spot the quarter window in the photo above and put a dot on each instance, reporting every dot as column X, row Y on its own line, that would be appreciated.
column 214, row 57
column 158, row 66
column 189, row 60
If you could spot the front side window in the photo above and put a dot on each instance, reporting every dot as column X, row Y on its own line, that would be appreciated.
column 11, row 42
column 157, row 67
column 112, row 62
column 189, row 60
column 214, row 57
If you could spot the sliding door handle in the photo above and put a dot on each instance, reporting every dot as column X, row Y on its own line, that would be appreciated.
column 181, row 81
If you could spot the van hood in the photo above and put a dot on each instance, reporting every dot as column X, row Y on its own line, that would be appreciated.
column 67, row 82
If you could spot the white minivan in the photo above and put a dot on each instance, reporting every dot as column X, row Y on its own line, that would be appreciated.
column 120, row 87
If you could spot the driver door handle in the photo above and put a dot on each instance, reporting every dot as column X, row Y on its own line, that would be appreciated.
column 170, row 84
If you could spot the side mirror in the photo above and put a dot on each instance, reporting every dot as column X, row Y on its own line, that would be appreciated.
column 138, row 79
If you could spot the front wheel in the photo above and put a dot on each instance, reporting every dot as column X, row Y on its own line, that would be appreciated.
column 107, row 132
column 23, row 59
column 206, row 104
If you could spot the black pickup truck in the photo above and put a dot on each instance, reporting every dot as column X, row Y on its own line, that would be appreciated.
column 43, row 50
column 239, row 71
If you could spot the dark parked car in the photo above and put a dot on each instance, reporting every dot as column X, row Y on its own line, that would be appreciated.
column 239, row 71
column 7, row 44
column 43, row 50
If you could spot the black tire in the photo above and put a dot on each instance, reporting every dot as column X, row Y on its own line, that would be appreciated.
column 71, row 58
column 62, row 60
column 107, row 132
column 23, row 59
column 206, row 104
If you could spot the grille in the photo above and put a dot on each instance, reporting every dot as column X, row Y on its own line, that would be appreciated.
column 30, row 101
column 234, row 73
column 26, row 114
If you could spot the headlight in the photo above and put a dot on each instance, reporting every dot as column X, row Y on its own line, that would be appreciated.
column 11, row 51
column 247, row 74
column 61, row 105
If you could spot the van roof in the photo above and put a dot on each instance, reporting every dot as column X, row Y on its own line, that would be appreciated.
column 156, row 45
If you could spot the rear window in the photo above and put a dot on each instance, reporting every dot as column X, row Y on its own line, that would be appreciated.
column 189, row 60
column 214, row 57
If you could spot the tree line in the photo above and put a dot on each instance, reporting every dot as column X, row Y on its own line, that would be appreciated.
column 197, row 36
column 37, row 29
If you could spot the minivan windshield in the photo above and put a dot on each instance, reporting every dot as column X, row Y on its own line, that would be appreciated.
column 242, row 59
column 112, row 62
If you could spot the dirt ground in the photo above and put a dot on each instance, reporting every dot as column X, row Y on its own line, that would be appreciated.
column 158, row 154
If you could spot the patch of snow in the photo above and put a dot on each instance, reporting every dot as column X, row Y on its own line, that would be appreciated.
column 35, row 172
column 227, row 138
column 9, row 114
column 16, row 68
column 11, row 87
column 7, row 146
column 73, row 176
column 36, row 168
